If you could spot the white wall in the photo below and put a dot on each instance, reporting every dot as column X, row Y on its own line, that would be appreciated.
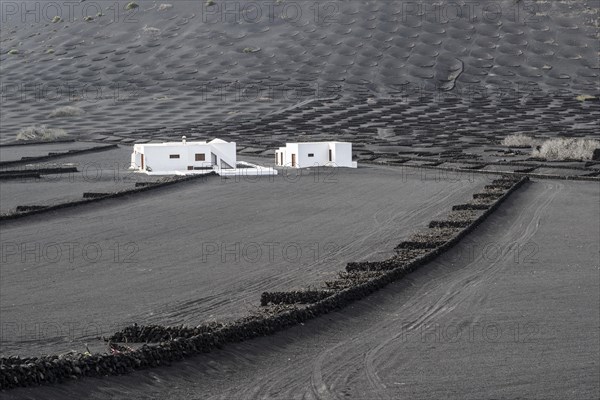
column 136, row 157
column 136, row 160
column 157, row 158
column 342, row 154
column 320, row 153
column 319, row 150
column 226, row 152
column 191, row 150
column 279, row 160
column 291, row 148
column 282, row 160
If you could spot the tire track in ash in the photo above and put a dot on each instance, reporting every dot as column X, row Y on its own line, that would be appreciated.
column 347, row 360
column 471, row 279
column 314, row 379
column 318, row 387
column 313, row 272
column 410, row 222
column 462, row 289
column 374, row 380
column 236, row 298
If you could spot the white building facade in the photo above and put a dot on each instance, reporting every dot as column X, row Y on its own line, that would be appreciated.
column 315, row 154
column 183, row 157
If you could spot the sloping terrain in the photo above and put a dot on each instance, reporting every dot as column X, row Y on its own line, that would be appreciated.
column 200, row 251
column 506, row 314
column 511, row 312
column 100, row 172
column 186, row 63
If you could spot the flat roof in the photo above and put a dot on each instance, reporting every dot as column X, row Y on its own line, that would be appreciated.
column 180, row 143
column 171, row 144
column 335, row 141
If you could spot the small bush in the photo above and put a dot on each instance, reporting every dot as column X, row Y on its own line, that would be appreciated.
column 165, row 6
column 519, row 140
column 210, row 3
column 56, row 19
column 66, row 111
column 88, row 18
column 50, row 51
column 13, row 51
column 566, row 149
column 131, row 5
column 40, row 133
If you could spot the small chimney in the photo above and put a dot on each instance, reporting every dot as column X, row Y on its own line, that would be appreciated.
column 183, row 139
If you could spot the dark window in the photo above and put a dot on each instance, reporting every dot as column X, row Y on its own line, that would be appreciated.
column 190, row 167
column 311, row 154
column 174, row 156
column 200, row 157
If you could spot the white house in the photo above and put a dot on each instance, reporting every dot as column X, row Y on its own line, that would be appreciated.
column 191, row 158
column 304, row 155
column 176, row 157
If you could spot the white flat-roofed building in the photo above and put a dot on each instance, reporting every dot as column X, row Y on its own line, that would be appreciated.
column 191, row 158
column 172, row 157
column 315, row 154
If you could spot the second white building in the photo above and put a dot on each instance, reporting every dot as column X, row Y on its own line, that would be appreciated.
column 315, row 154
